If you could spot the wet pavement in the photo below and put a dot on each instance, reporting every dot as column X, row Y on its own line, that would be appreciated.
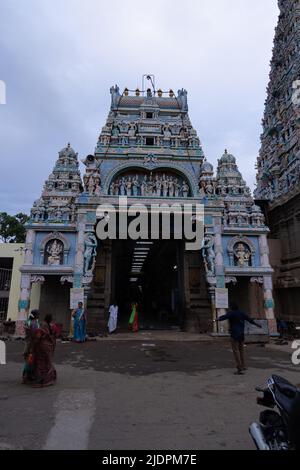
column 142, row 393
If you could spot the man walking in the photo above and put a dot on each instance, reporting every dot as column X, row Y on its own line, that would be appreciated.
column 237, row 320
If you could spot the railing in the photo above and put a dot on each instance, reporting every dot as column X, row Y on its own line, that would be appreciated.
column 5, row 279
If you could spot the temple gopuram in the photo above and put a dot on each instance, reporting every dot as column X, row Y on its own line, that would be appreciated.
column 148, row 152
column 278, row 185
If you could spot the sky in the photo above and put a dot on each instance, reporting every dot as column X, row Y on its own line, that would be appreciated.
column 59, row 58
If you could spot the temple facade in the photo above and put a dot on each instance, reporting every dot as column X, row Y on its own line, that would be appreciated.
column 148, row 152
column 278, row 185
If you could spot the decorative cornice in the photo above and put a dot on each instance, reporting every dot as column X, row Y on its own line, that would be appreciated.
column 37, row 279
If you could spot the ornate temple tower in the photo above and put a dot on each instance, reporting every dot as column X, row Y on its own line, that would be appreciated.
column 51, row 235
column 148, row 152
column 278, row 176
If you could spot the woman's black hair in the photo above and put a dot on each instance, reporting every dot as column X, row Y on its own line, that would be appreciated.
column 48, row 318
column 34, row 313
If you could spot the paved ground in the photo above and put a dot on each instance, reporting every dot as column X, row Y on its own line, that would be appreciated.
column 146, row 393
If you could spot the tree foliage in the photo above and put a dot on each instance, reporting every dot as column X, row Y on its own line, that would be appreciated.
column 12, row 227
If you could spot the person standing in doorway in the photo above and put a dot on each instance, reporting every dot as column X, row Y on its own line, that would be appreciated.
column 237, row 321
column 79, row 324
column 113, row 318
column 133, row 324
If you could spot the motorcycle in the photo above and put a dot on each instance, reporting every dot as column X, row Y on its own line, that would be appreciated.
column 278, row 430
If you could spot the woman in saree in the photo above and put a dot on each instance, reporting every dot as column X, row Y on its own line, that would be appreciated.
column 133, row 320
column 31, row 326
column 44, row 343
column 79, row 324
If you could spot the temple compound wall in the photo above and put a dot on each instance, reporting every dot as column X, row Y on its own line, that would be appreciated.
column 149, row 152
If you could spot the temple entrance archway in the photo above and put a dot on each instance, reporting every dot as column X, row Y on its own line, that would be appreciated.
column 151, row 273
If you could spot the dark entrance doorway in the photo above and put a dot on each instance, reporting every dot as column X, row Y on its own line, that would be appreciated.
column 248, row 295
column 150, row 273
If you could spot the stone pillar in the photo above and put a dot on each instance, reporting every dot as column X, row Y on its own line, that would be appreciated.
column 23, row 304
column 211, row 291
column 220, row 274
column 264, row 251
column 268, row 285
column 25, row 284
column 218, row 251
column 79, row 259
column 269, row 304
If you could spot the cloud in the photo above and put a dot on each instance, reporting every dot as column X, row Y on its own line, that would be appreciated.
column 59, row 59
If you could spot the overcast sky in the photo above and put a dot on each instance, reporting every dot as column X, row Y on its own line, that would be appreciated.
column 60, row 57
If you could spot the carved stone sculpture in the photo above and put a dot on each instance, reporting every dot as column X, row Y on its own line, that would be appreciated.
column 209, row 255
column 90, row 251
column 54, row 251
column 242, row 255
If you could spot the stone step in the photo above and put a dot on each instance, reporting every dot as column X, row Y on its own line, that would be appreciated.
column 95, row 295
column 95, row 303
column 95, row 311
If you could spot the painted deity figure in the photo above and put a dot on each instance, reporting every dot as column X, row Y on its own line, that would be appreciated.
column 209, row 189
column 115, row 95
column 144, row 186
column 166, row 131
column 242, row 255
column 158, row 185
column 176, row 187
column 90, row 252
column 62, row 185
column 165, row 186
column 150, row 186
column 202, row 189
column 97, row 189
column 122, row 186
column 185, row 189
column 132, row 130
column 112, row 189
column 117, row 188
column 171, row 187
column 91, row 185
column 129, row 186
column 85, row 181
column 209, row 255
column 135, row 185
column 58, row 214
column 54, row 251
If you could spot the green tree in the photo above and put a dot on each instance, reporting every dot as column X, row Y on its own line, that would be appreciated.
column 12, row 227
